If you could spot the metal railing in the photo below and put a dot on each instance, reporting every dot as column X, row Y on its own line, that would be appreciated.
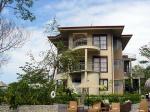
column 90, row 67
column 80, row 42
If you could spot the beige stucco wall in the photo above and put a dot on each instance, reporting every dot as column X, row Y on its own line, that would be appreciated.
column 109, row 53
column 93, row 77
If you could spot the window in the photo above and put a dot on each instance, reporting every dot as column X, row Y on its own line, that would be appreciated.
column 96, row 64
column 100, row 41
column 100, row 64
column 104, row 84
column 76, row 78
column 103, row 64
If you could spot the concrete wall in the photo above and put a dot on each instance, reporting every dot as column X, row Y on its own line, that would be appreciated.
column 111, row 53
column 36, row 108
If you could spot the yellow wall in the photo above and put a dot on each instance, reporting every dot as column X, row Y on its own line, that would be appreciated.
column 93, row 76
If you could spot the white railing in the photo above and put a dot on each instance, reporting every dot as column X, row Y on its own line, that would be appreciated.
column 80, row 42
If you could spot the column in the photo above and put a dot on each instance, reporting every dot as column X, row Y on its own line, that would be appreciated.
column 131, row 73
column 85, row 73
column 139, row 85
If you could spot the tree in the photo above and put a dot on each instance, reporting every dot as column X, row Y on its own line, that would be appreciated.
column 21, row 8
column 51, row 27
column 145, row 51
column 11, row 37
column 138, row 71
column 33, row 87
column 33, row 74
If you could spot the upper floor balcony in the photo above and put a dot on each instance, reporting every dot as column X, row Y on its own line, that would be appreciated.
column 90, row 67
column 80, row 42
column 96, row 42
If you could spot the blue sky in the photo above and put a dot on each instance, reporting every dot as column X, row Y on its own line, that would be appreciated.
column 134, row 14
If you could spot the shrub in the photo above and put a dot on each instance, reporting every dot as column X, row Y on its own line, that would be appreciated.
column 134, row 98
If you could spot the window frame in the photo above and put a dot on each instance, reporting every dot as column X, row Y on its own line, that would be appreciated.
column 99, row 36
column 103, row 84
column 100, row 70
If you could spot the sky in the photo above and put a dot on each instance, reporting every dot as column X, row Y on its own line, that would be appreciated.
column 134, row 14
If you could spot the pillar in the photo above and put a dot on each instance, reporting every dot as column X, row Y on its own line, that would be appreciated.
column 85, row 73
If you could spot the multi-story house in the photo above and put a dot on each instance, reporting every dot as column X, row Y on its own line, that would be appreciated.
column 102, row 61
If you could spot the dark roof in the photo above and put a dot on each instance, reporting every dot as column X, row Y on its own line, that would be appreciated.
column 125, row 39
column 94, row 27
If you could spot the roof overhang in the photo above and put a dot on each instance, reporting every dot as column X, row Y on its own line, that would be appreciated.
column 117, row 30
column 125, row 39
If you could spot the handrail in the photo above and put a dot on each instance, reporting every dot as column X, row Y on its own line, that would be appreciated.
column 80, row 42
column 90, row 67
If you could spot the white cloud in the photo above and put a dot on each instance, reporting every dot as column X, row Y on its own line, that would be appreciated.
column 134, row 14
column 37, row 43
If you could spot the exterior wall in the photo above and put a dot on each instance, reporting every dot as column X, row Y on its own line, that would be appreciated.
column 118, row 67
column 108, row 53
column 113, row 72
column 93, row 76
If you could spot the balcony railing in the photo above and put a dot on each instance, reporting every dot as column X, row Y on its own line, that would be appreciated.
column 80, row 42
column 130, row 56
column 81, row 67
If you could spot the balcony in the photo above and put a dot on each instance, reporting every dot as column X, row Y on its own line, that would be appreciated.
column 90, row 67
column 80, row 42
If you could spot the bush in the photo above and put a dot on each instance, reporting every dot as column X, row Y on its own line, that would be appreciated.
column 134, row 98
column 2, row 95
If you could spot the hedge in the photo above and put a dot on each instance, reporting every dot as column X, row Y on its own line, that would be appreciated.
column 134, row 98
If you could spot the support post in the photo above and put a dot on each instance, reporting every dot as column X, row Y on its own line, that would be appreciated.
column 85, row 66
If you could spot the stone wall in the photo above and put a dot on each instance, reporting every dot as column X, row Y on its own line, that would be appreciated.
column 36, row 108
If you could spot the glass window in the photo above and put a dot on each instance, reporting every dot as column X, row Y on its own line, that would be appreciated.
column 100, row 41
column 103, row 42
column 103, row 64
column 96, row 64
column 100, row 64
column 104, row 84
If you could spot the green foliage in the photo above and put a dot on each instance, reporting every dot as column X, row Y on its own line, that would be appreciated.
column 145, row 51
column 64, row 99
column 144, row 74
column 33, row 74
column 21, row 93
column 2, row 96
column 134, row 98
column 138, row 71
column 21, row 8
column 68, row 59
column 33, row 87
